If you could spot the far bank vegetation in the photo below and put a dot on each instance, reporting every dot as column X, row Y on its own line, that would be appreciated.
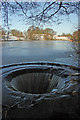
column 36, row 33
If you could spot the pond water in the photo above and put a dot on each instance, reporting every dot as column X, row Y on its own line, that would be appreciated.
column 27, row 51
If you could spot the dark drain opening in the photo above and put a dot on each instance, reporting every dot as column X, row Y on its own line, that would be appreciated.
column 39, row 79
column 34, row 83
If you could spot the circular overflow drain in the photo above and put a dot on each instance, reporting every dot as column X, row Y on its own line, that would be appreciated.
column 34, row 90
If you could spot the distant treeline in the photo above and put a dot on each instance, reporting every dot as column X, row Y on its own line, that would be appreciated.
column 34, row 33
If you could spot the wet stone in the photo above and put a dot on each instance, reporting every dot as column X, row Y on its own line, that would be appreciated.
column 36, row 91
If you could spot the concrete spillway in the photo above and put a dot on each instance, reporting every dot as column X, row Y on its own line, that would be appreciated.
column 40, row 90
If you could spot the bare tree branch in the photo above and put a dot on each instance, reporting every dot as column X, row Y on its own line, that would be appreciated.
column 21, row 8
column 56, row 10
column 48, row 7
column 39, row 11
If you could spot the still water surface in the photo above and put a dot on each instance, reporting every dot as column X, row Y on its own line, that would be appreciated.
column 27, row 51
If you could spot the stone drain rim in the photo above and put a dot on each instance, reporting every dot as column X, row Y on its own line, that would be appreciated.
column 45, row 69
column 37, row 97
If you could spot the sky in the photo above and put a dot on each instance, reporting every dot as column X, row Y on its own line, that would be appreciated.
column 66, row 26
column 69, row 24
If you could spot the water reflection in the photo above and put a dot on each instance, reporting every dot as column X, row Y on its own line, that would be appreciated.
column 23, row 51
column 58, row 45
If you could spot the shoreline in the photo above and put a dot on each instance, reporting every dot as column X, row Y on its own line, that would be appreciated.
column 36, row 40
